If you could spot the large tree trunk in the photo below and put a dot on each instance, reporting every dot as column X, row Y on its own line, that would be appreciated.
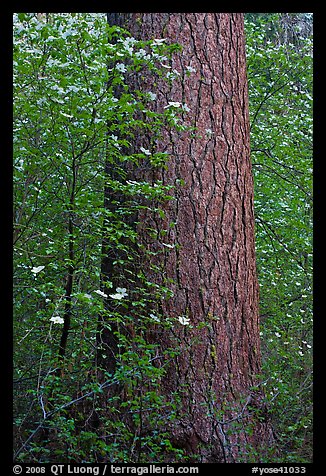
column 210, row 223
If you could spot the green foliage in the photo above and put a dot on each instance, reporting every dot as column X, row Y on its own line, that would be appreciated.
column 280, row 98
column 75, row 133
column 75, row 121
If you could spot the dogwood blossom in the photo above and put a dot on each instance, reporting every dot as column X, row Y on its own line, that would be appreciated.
column 57, row 320
column 185, row 321
column 120, row 294
column 122, row 291
column 37, row 269
column 101, row 293
column 167, row 245
column 121, row 67
column 145, row 151
column 155, row 318
column 158, row 41
column 173, row 104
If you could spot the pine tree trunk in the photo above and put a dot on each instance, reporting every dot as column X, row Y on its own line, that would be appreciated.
column 210, row 224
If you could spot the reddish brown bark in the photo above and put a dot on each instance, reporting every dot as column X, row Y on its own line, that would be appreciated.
column 210, row 223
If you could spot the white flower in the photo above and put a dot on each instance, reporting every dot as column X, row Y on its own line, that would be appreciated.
column 158, row 41
column 185, row 108
column 37, row 269
column 141, row 53
column 145, row 151
column 155, row 318
column 121, row 67
column 66, row 115
column 185, row 321
column 128, row 44
column 190, row 69
column 209, row 131
column 152, row 96
column 309, row 346
column 173, row 74
column 57, row 320
column 300, row 353
column 120, row 293
column 167, row 245
column 101, row 293
column 88, row 296
column 129, row 40
column 277, row 334
column 116, row 296
column 173, row 104
column 132, row 182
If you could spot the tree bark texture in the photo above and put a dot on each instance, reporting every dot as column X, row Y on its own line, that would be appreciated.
column 210, row 224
